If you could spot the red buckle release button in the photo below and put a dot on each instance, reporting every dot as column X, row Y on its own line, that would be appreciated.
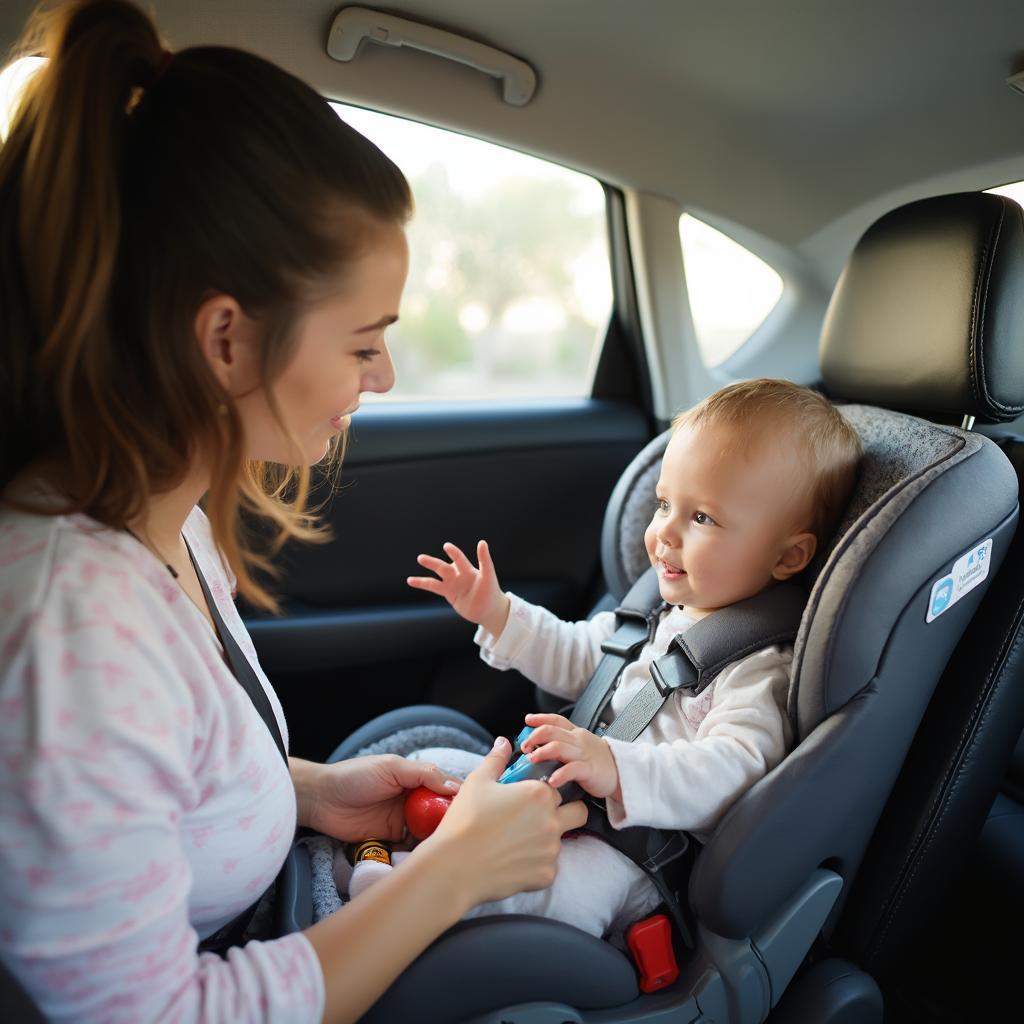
column 650, row 942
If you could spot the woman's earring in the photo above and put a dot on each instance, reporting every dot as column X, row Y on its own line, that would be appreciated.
column 222, row 409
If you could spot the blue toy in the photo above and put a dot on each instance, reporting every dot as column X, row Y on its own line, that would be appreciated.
column 523, row 768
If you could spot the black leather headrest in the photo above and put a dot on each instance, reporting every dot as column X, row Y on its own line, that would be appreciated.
column 928, row 315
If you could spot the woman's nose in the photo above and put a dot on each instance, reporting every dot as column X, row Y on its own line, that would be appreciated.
column 381, row 375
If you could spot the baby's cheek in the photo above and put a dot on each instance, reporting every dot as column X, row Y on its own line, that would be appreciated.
column 650, row 541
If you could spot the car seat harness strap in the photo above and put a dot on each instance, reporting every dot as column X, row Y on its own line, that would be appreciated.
column 693, row 658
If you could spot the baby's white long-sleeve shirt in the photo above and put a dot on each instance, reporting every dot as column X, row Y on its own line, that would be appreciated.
column 143, row 802
column 699, row 754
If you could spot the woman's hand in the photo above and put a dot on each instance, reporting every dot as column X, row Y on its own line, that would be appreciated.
column 474, row 593
column 363, row 797
column 502, row 839
column 585, row 758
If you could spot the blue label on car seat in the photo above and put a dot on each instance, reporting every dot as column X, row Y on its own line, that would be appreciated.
column 970, row 569
column 942, row 593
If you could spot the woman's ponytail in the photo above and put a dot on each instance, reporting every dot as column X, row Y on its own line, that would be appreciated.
column 60, row 215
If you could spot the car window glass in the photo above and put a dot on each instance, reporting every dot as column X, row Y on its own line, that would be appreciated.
column 731, row 290
column 13, row 79
column 509, row 290
column 1014, row 191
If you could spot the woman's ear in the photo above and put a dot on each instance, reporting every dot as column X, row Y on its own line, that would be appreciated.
column 796, row 553
column 228, row 341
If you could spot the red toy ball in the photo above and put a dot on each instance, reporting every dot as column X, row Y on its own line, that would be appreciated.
column 424, row 810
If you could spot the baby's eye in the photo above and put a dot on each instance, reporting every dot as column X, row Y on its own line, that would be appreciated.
column 703, row 519
column 662, row 506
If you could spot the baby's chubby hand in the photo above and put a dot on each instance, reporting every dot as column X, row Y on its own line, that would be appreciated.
column 473, row 592
column 585, row 758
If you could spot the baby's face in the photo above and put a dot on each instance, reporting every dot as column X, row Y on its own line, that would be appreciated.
column 731, row 516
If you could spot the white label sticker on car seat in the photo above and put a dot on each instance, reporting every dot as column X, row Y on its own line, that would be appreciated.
column 968, row 571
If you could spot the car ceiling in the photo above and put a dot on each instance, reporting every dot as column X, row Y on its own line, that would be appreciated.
column 781, row 117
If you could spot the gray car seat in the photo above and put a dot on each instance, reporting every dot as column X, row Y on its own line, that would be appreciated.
column 774, row 877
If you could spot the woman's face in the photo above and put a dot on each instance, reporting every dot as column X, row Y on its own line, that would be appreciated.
column 340, row 353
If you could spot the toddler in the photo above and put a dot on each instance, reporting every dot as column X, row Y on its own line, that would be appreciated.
column 753, row 480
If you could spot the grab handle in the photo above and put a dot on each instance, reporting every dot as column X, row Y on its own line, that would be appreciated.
column 354, row 24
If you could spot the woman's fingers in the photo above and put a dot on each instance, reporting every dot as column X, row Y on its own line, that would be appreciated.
column 571, row 816
column 494, row 763
column 422, row 773
column 506, row 838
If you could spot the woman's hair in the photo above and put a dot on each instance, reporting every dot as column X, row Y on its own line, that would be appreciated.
column 791, row 414
column 133, row 186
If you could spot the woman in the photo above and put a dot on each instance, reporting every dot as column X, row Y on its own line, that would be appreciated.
column 198, row 261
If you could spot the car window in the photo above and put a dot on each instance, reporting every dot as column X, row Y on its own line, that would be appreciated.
column 731, row 290
column 509, row 291
column 1014, row 191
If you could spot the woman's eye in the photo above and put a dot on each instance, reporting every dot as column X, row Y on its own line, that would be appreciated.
column 703, row 519
column 364, row 355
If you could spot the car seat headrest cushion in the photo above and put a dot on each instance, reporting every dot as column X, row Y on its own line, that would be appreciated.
column 928, row 314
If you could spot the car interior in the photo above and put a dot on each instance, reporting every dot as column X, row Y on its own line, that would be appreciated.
column 706, row 193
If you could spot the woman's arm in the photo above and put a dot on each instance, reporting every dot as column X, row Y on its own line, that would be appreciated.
column 494, row 840
column 306, row 779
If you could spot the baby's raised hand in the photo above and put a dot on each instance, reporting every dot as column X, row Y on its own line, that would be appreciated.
column 585, row 758
column 473, row 592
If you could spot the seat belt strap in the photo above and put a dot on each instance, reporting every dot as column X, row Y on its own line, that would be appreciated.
column 241, row 667
column 231, row 934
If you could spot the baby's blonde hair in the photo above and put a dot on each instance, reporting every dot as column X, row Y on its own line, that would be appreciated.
column 832, row 449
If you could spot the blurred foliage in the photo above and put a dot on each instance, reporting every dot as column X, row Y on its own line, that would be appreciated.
column 475, row 259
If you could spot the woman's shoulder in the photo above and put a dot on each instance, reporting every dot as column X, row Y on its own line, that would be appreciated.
column 53, row 564
column 85, row 609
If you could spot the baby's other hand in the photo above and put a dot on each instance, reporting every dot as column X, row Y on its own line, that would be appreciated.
column 585, row 758
column 473, row 592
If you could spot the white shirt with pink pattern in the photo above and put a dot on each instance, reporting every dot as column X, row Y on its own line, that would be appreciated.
column 143, row 801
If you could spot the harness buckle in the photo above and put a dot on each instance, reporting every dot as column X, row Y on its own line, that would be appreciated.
column 650, row 942
column 661, row 683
